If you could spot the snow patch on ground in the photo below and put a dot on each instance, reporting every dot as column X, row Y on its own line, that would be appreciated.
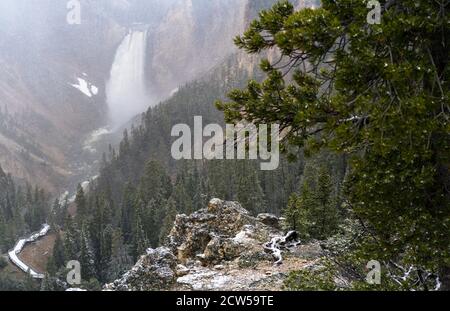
column 279, row 243
column 94, row 90
column 196, row 280
column 174, row 91
column 232, row 278
column 86, row 87
column 244, row 237
column 63, row 197
column 75, row 290
column 84, row 185
column 94, row 137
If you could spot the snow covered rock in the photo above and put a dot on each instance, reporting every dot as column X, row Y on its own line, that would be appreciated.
column 85, row 87
column 153, row 271
column 269, row 219
column 210, row 232
column 279, row 243
column 221, row 247
column 181, row 270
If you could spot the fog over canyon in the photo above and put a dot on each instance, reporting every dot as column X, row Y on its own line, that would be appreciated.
column 67, row 91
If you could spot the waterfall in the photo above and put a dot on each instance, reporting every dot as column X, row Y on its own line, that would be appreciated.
column 126, row 89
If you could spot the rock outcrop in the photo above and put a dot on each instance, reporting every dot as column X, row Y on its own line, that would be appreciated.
column 153, row 271
column 221, row 247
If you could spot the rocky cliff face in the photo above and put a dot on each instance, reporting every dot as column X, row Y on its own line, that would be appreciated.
column 195, row 35
column 52, row 77
column 192, row 37
column 221, row 247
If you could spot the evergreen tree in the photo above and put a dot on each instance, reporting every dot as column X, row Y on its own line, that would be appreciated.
column 124, row 144
column 47, row 284
column 121, row 261
column 71, row 240
column 21, row 212
column 314, row 213
column 29, row 283
column 60, row 211
column 325, row 212
column 59, row 256
column 104, row 257
column 87, row 256
column 155, row 179
column 51, row 268
column 291, row 212
column 169, row 219
column 249, row 191
column 3, row 239
column 378, row 93
column 182, row 198
column 305, row 204
column 151, row 224
column 80, row 202
column 127, row 215
column 140, row 241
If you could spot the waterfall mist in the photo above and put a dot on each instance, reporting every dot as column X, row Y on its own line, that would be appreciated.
column 126, row 89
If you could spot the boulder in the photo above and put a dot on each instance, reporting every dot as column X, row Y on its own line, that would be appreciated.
column 153, row 271
column 269, row 220
column 181, row 270
column 192, row 235
column 220, row 247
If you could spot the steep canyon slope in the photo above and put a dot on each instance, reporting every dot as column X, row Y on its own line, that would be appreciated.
column 53, row 75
